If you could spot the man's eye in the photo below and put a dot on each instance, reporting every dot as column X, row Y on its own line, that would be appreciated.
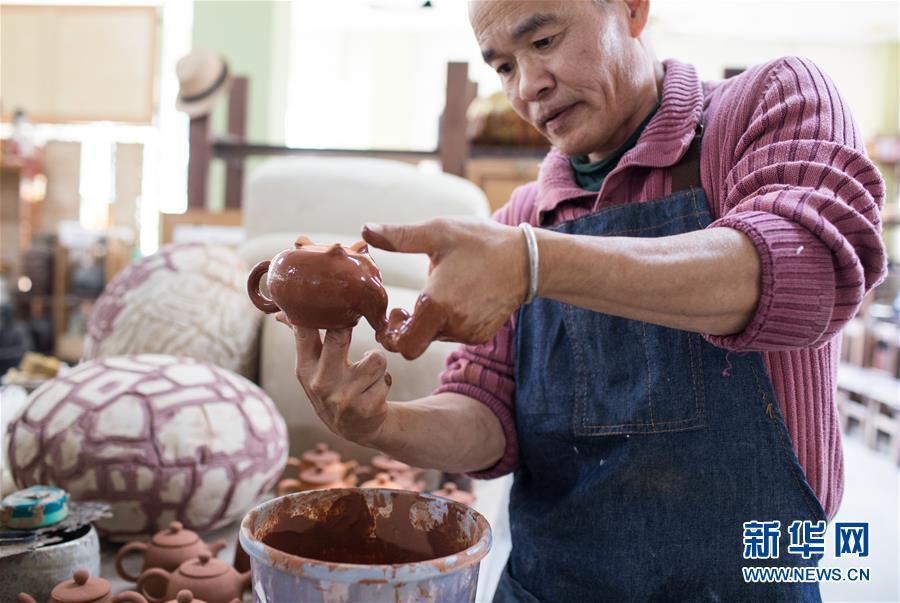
column 504, row 68
column 543, row 42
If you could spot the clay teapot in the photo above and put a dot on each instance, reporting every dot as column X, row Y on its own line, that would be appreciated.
column 167, row 549
column 207, row 578
column 405, row 475
column 183, row 596
column 383, row 480
column 320, row 477
column 452, row 491
column 320, row 454
column 83, row 588
column 322, row 286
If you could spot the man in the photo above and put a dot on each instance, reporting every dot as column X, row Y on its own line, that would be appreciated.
column 696, row 250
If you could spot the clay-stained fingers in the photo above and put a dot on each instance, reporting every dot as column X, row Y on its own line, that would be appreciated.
column 370, row 368
column 333, row 359
column 309, row 348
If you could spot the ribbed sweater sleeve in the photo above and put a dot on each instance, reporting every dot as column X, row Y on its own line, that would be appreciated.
column 798, row 184
column 486, row 372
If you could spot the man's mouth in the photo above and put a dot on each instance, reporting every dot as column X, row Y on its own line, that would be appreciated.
column 553, row 116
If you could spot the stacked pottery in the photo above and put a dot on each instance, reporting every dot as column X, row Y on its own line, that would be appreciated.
column 318, row 468
column 167, row 550
column 205, row 577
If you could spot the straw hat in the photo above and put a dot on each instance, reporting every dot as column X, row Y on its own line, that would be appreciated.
column 202, row 77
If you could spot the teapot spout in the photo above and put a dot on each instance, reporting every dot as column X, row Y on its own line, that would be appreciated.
column 25, row 598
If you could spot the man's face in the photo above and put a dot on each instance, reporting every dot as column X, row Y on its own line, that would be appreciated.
column 571, row 68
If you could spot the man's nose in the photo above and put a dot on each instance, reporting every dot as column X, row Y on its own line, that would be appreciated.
column 534, row 81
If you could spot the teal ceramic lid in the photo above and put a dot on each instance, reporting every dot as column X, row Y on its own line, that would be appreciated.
column 35, row 507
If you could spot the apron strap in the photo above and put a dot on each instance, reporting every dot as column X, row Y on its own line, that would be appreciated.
column 686, row 173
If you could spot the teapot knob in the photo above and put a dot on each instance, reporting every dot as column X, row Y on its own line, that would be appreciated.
column 321, row 447
column 175, row 526
column 81, row 577
column 450, row 487
column 204, row 558
column 184, row 596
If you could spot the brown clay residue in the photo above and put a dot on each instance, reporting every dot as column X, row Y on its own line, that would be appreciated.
column 410, row 335
column 346, row 530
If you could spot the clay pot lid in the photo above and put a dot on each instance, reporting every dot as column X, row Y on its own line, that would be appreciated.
column 383, row 462
column 204, row 566
column 321, row 455
column 320, row 475
column 306, row 244
column 185, row 596
column 383, row 480
column 175, row 536
column 82, row 588
column 452, row 492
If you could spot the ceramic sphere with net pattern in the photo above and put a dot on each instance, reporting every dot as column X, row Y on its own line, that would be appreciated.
column 187, row 299
column 160, row 438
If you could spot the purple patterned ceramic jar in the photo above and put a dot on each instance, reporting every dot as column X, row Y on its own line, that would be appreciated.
column 160, row 438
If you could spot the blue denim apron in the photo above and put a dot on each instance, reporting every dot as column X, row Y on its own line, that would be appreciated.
column 644, row 450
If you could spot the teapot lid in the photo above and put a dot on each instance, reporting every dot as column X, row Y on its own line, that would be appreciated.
column 321, row 455
column 175, row 536
column 204, row 566
column 383, row 462
column 185, row 596
column 320, row 475
column 82, row 588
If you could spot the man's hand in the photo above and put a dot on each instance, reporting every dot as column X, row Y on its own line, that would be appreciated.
column 351, row 399
column 477, row 278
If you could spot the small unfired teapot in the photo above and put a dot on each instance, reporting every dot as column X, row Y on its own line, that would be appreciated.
column 83, row 588
column 167, row 550
column 319, row 477
column 322, row 286
column 207, row 578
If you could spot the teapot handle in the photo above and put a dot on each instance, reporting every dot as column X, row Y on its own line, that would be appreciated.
column 131, row 547
column 259, row 300
column 217, row 546
column 154, row 575
column 25, row 598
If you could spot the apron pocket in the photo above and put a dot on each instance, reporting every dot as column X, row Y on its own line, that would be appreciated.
column 633, row 377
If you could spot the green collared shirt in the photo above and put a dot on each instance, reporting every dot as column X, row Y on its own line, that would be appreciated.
column 590, row 176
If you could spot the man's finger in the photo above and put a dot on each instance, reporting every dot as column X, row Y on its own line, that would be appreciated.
column 334, row 353
column 369, row 369
column 309, row 348
column 406, row 238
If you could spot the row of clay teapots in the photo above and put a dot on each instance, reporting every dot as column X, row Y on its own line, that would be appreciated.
column 206, row 577
column 83, row 588
column 167, row 550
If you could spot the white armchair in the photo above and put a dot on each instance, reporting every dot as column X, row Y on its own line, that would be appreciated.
column 329, row 200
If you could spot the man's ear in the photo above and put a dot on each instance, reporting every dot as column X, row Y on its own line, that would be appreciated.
column 638, row 13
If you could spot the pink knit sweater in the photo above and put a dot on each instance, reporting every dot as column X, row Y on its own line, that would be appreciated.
column 783, row 162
